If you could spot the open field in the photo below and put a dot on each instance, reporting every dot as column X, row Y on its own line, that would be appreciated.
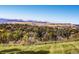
column 53, row 48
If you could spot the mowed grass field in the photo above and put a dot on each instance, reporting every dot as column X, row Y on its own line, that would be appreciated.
column 52, row 48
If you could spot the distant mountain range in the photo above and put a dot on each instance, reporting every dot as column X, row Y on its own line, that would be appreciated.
column 3, row 20
column 35, row 23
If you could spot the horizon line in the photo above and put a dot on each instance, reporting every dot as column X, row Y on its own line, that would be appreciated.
column 37, row 20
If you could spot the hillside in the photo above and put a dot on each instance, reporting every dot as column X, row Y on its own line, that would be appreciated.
column 16, row 38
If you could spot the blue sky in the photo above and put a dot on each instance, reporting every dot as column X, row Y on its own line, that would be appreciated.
column 49, row 13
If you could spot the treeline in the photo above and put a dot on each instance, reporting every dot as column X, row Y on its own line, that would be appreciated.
column 28, row 34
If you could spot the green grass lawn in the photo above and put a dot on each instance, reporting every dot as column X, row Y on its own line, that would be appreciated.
column 52, row 48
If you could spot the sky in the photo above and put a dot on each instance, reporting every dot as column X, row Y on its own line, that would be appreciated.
column 47, row 13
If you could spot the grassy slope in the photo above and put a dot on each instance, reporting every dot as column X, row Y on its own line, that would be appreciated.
column 56, row 48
